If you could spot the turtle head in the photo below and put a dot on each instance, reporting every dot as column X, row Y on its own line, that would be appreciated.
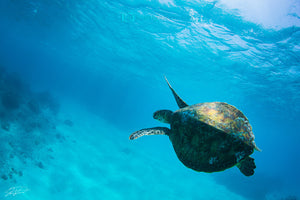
column 164, row 116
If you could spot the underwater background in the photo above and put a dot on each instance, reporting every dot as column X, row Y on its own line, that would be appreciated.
column 78, row 77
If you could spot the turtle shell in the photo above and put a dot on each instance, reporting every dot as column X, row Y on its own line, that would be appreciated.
column 211, row 137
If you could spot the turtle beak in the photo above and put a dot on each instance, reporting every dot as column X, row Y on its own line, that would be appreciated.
column 155, row 115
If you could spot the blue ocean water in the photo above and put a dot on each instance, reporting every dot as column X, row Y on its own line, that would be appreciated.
column 78, row 77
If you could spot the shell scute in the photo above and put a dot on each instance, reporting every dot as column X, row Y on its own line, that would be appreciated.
column 222, row 116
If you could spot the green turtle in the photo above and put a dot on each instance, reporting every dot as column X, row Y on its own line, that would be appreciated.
column 207, row 137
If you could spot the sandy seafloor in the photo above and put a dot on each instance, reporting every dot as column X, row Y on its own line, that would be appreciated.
column 95, row 160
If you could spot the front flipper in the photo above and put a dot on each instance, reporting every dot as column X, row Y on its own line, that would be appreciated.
column 179, row 101
column 150, row 131
column 247, row 166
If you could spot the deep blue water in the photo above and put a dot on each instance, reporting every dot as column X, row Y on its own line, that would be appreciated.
column 109, row 58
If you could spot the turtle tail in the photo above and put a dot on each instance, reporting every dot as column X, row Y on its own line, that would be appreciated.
column 150, row 131
column 247, row 166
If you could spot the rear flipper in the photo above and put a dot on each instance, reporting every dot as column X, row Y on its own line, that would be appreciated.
column 247, row 166
column 150, row 131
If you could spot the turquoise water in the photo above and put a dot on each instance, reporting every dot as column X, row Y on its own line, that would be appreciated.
column 77, row 78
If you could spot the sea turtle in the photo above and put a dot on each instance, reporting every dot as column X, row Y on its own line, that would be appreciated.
column 207, row 137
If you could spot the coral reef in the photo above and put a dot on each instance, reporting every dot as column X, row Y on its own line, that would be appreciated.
column 290, row 198
column 27, row 125
column 10, row 100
